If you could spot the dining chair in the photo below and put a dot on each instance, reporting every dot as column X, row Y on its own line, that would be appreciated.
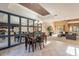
column 30, row 41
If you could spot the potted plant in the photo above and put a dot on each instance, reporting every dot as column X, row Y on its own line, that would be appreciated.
column 49, row 29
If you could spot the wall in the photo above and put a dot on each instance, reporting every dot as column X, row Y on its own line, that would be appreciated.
column 65, row 25
column 60, row 24
column 44, row 27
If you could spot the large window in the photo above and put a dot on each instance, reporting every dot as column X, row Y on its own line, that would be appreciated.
column 74, row 28
column 3, row 30
column 23, row 28
column 14, row 29
column 30, row 29
column 35, row 25
column 30, row 22
column 31, row 26
column 39, row 27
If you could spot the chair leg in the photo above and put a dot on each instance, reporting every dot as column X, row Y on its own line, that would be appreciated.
column 46, row 40
column 26, row 46
column 29, row 47
column 35, row 45
column 43, row 45
column 32, row 47
column 40, row 45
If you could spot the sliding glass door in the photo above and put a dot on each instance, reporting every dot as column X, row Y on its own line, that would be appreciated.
column 23, row 28
column 3, row 30
column 14, row 27
column 31, row 26
column 40, row 27
column 14, row 30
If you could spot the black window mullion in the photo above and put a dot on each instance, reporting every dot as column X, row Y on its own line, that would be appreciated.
column 9, row 41
column 27, row 25
column 41, row 27
column 20, row 29
column 33, row 25
column 37, row 26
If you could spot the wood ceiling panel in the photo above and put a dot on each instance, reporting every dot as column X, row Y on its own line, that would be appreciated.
column 36, row 7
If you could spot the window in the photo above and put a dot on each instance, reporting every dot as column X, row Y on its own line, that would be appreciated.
column 35, row 23
column 30, row 22
column 3, row 18
column 23, row 21
column 30, row 29
column 39, row 27
column 3, row 30
column 23, row 28
column 14, row 30
column 31, row 26
column 75, row 28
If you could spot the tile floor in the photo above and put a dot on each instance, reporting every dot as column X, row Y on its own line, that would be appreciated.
column 54, row 47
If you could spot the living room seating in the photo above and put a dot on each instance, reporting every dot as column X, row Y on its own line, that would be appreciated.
column 71, row 36
column 61, row 34
column 68, row 35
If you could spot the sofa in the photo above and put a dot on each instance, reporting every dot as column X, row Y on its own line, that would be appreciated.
column 71, row 36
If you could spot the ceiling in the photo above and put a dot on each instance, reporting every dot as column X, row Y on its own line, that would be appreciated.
column 61, row 11
column 55, row 11
column 36, row 7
